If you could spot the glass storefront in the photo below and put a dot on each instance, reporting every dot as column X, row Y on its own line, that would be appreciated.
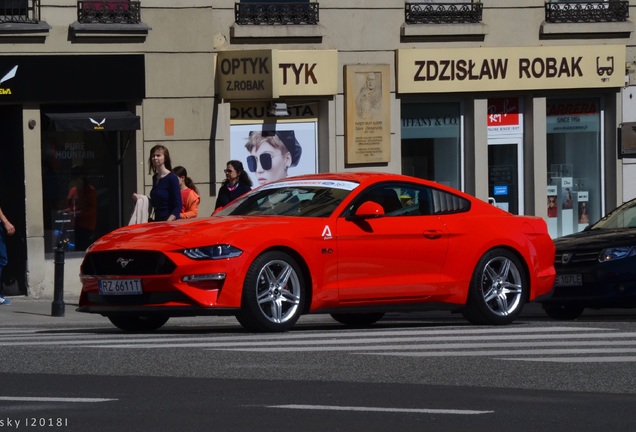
column 431, row 142
column 82, row 184
column 574, row 143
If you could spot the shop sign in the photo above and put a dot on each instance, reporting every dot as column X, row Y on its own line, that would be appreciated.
column 504, row 117
column 518, row 68
column 81, row 78
column 572, row 117
column 271, row 74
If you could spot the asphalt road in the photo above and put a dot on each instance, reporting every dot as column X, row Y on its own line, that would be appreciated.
column 414, row 372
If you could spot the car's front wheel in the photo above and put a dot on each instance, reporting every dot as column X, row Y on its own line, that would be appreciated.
column 358, row 319
column 273, row 293
column 498, row 289
column 562, row 311
column 138, row 323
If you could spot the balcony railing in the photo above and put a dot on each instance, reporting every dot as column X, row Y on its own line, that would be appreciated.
column 588, row 12
column 276, row 13
column 108, row 12
column 443, row 13
column 20, row 11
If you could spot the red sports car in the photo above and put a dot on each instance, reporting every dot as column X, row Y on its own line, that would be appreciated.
column 353, row 245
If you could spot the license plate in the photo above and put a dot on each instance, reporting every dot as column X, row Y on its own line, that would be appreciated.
column 569, row 280
column 120, row 286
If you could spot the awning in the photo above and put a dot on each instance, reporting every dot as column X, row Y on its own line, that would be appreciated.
column 94, row 121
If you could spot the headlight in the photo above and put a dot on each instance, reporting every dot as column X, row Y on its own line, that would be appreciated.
column 615, row 253
column 213, row 252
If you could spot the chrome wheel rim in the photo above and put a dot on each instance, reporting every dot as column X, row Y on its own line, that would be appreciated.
column 278, row 291
column 502, row 286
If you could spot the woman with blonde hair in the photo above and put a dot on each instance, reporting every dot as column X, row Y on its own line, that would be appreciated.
column 272, row 153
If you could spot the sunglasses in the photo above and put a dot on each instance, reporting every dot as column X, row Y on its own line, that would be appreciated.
column 265, row 159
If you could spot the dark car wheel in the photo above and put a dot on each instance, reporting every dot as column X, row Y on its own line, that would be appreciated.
column 498, row 289
column 273, row 293
column 563, row 311
column 138, row 322
column 357, row 319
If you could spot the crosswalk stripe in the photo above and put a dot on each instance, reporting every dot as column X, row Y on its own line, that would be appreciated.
column 567, row 344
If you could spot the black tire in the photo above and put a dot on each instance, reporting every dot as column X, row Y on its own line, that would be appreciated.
column 498, row 289
column 358, row 319
column 273, row 293
column 138, row 323
column 562, row 312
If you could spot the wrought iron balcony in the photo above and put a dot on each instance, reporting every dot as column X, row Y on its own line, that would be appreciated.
column 276, row 13
column 443, row 13
column 588, row 12
column 20, row 11
column 108, row 12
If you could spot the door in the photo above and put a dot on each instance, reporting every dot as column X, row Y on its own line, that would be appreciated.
column 505, row 179
column 398, row 256
column 12, row 198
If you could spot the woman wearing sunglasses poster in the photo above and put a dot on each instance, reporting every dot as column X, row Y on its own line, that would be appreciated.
column 272, row 153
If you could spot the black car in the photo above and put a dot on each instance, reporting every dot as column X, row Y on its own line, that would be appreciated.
column 596, row 268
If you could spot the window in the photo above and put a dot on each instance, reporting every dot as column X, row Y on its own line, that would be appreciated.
column 574, row 145
column 431, row 137
column 408, row 199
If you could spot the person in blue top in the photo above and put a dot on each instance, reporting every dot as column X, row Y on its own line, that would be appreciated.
column 165, row 195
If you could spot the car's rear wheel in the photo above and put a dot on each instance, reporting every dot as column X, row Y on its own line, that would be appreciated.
column 131, row 322
column 273, row 293
column 498, row 289
column 563, row 311
column 357, row 319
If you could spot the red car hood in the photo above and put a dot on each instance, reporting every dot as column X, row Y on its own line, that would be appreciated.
column 183, row 233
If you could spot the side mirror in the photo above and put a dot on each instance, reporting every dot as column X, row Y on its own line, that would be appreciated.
column 369, row 209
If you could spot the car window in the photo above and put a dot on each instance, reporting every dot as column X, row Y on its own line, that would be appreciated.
column 407, row 199
column 622, row 217
column 289, row 199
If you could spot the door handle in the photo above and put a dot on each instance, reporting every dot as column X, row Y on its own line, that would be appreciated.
column 432, row 234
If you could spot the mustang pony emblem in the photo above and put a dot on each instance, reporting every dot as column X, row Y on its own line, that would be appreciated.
column 123, row 262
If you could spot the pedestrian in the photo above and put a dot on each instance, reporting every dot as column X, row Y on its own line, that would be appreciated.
column 190, row 198
column 236, row 183
column 165, row 195
column 9, row 229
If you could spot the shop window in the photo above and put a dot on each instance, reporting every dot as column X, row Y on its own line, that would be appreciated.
column 84, row 196
column 431, row 137
column 574, row 144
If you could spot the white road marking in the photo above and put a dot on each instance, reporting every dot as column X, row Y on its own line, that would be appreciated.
column 53, row 399
column 380, row 409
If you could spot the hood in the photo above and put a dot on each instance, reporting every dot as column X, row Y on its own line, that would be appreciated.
column 599, row 238
column 187, row 233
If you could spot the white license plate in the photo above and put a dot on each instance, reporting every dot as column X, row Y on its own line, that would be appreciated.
column 569, row 280
column 120, row 286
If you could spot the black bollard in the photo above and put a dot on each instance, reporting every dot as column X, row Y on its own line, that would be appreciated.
column 57, row 307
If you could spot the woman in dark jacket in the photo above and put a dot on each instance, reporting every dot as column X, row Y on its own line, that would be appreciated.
column 237, row 182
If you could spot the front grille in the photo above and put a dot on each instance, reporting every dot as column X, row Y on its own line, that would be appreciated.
column 577, row 258
column 127, row 263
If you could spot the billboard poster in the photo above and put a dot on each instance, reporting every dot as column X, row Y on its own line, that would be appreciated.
column 273, row 151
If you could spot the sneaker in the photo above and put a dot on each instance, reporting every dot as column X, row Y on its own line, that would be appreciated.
column 5, row 301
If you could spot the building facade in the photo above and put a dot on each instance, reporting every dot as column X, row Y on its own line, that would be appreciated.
column 525, row 103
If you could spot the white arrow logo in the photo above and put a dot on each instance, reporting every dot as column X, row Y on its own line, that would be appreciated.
column 96, row 122
column 10, row 75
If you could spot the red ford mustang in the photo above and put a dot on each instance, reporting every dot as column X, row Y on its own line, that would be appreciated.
column 353, row 245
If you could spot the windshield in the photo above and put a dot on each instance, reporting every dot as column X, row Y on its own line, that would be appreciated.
column 623, row 217
column 314, row 198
